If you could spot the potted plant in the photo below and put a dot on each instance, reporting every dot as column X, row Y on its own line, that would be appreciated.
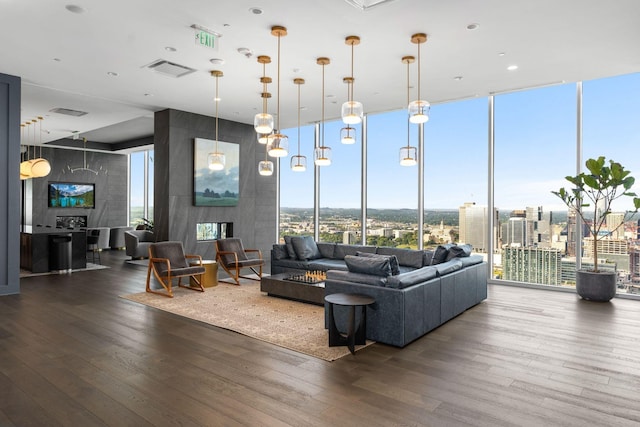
column 598, row 188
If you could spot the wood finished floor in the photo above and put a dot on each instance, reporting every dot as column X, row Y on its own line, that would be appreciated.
column 73, row 353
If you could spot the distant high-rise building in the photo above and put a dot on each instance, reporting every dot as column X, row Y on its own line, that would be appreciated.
column 528, row 227
column 349, row 238
column 613, row 220
column 532, row 265
column 473, row 224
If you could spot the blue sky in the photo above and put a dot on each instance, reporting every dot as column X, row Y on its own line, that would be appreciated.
column 535, row 149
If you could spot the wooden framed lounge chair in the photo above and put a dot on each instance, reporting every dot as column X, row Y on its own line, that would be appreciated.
column 167, row 260
column 232, row 256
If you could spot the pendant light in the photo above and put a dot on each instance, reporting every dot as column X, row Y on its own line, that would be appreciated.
column 25, row 166
column 322, row 153
column 265, row 167
column 263, row 122
column 347, row 133
column 408, row 154
column 263, row 137
column 216, row 159
column 40, row 167
column 352, row 111
column 419, row 110
column 278, row 143
column 298, row 162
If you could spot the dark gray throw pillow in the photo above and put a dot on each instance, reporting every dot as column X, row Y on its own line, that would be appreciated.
column 393, row 261
column 290, row 251
column 305, row 248
column 440, row 254
column 366, row 265
column 459, row 251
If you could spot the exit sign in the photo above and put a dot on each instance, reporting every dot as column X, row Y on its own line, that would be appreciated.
column 206, row 39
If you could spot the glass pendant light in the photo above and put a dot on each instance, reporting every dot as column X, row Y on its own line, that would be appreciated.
column 352, row 111
column 278, row 143
column 263, row 122
column 347, row 133
column 40, row 167
column 419, row 110
column 322, row 153
column 298, row 161
column 216, row 160
column 408, row 154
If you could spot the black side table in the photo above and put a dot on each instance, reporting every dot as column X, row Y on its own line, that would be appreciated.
column 353, row 336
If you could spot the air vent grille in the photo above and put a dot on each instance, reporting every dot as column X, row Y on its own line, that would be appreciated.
column 68, row 112
column 168, row 68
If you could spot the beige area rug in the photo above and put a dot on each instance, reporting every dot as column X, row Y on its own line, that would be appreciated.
column 244, row 309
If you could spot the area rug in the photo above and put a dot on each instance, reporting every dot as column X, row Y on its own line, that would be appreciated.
column 244, row 309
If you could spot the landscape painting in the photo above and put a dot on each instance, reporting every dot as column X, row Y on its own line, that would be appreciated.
column 215, row 188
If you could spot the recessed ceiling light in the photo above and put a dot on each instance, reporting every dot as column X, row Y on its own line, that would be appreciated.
column 148, row 94
column 512, row 67
column 457, row 78
column 170, row 49
column 57, row 59
column 473, row 26
column 74, row 8
column 217, row 61
column 501, row 54
column 255, row 10
column 245, row 51
column 112, row 73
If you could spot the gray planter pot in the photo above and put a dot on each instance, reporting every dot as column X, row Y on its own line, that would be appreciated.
column 596, row 286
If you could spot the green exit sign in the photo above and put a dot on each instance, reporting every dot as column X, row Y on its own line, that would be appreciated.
column 206, row 39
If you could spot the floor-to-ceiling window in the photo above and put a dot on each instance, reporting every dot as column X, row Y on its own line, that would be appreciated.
column 455, row 171
column 296, row 188
column 612, row 129
column 340, row 187
column 535, row 148
column 140, row 187
column 392, row 189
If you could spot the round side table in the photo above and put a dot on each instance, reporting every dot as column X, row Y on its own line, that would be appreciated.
column 353, row 336
column 210, row 276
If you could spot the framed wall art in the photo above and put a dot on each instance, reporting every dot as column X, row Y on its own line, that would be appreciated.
column 211, row 187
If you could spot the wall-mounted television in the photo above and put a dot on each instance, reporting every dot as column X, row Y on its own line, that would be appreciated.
column 72, row 195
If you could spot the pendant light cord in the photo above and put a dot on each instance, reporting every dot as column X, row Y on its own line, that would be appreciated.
column 217, row 101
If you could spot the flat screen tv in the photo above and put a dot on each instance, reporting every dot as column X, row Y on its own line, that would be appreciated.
column 72, row 195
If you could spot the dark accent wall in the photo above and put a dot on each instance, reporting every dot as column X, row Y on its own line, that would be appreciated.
column 10, row 184
column 111, row 187
column 175, row 217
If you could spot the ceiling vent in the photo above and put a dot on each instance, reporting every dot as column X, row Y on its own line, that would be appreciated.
column 365, row 5
column 68, row 112
column 169, row 68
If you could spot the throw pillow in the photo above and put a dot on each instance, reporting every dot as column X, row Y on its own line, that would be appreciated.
column 393, row 261
column 305, row 248
column 280, row 252
column 459, row 251
column 365, row 265
column 440, row 254
column 290, row 251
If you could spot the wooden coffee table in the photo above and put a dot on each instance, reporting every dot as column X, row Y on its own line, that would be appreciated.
column 278, row 285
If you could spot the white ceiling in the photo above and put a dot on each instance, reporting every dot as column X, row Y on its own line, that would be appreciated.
column 64, row 58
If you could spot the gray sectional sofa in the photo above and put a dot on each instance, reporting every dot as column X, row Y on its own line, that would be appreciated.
column 415, row 291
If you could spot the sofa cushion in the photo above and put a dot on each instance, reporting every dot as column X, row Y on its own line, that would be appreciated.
column 280, row 252
column 305, row 248
column 365, row 279
column 427, row 257
column 440, row 254
column 324, row 264
column 407, row 257
column 289, row 245
column 448, row 267
column 459, row 251
column 375, row 266
column 343, row 250
column 393, row 261
column 470, row 260
column 411, row 278
column 326, row 249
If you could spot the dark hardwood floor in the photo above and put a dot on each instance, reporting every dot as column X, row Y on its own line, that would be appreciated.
column 73, row 353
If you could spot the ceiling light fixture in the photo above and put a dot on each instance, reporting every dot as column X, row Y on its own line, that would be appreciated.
column 85, row 166
column 216, row 160
column 40, row 166
column 278, row 143
column 419, row 109
column 322, row 153
column 352, row 111
column 408, row 154
column 298, row 162
column 348, row 134
column 263, row 122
